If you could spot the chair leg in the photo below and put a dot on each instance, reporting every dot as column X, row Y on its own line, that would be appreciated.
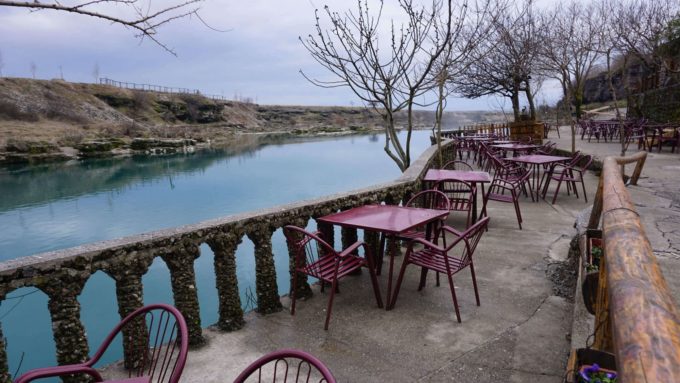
column 474, row 281
column 334, row 286
column 585, row 196
column 453, row 295
column 515, row 201
column 557, row 189
column 399, row 280
column 423, row 278
column 374, row 279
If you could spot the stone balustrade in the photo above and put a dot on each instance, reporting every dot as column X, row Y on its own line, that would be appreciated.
column 62, row 274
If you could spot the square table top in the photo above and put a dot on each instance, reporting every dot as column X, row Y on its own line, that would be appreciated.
column 515, row 146
column 503, row 142
column 538, row 159
column 434, row 175
column 390, row 219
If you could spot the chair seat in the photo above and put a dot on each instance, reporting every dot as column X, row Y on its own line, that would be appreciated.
column 140, row 379
column 413, row 234
column 434, row 260
column 323, row 269
column 500, row 197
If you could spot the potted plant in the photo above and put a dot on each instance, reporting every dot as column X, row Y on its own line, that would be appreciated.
column 593, row 366
column 596, row 374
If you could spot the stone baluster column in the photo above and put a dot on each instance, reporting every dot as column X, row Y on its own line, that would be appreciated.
column 266, row 288
column 372, row 240
column 327, row 232
column 180, row 260
column 349, row 237
column 230, row 311
column 128, row 272
column 392, row 199
column 303, row 290
column 68, row 331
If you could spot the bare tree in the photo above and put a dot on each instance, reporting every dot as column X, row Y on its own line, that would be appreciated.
column 503, row 63
column 454, row 61
column 569, row 50
column 2, row 63
column 33, row 68
column 642, row 27
column 144, row 19
column 388, row 79
column 95, row 72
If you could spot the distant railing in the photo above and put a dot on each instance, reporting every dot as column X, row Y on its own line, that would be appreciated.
column 62, row 274
column 158, row 88
column 636, row 315
column 499, row 129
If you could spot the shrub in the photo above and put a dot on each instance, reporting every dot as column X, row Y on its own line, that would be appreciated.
column 10, row 111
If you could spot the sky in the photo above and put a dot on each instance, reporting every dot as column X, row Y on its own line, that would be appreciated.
column 259, row 55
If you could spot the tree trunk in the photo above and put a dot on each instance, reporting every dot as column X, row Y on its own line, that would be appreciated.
column 530, row 99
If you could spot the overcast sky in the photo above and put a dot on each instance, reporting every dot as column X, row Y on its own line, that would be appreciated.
column 259, row 57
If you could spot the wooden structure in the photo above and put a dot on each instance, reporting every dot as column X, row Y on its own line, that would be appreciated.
column 521, row 129
column 636, row 316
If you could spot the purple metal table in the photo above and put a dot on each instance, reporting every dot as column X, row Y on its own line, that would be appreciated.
column 515, row 148
column 434, row 175
column 389, row 220
column 534, row 161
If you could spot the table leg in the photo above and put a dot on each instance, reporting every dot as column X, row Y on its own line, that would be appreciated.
column 392, row 252
column 381, row 254
column 474, row 206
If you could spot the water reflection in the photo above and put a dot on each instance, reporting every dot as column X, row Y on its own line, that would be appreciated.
column 56, row 206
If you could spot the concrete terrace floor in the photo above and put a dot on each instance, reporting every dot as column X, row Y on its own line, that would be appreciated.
column 521, row 331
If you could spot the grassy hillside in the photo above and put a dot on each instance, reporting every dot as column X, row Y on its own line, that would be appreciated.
column 41, row 116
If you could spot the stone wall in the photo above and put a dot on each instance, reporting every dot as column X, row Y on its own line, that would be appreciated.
column 660, row 105
column 62, row 274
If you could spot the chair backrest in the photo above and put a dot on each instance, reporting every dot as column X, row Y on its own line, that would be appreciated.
column 308, row 247
column 471, row 238
column 457, row 165
column 584, row 162
column 286, row 366
column 459, row 193
column 155, row 343
column 429, row 199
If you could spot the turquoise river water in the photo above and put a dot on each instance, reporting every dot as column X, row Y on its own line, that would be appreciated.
column 57, row 206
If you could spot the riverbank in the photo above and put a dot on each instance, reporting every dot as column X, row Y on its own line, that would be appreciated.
column 43, row 121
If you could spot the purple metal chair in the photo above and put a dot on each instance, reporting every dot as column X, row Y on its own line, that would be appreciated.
column 461, row 195
column 507, row 185
column 426, row 199
column 571, row 174
column 457, row 165
column 318, row 259
column 155, row 339
column 442, row 259
column 286, row 366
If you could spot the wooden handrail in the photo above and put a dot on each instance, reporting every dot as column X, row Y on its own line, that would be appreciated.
column 636, row 314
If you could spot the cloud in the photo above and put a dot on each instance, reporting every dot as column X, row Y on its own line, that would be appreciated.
column 260, row 56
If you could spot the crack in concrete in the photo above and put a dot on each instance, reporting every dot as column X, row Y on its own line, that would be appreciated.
column 493, row 339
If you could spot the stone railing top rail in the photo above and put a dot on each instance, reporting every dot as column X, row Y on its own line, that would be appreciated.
column 24, row 267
